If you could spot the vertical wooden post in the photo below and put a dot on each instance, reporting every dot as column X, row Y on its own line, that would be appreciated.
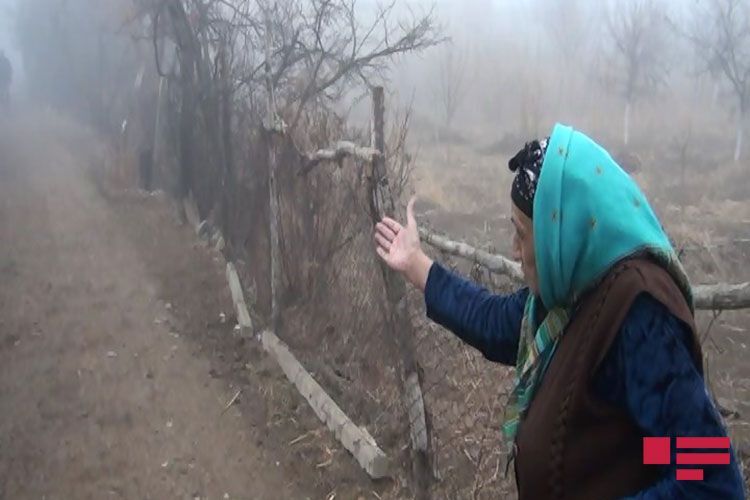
column 273, row 194
column 382, row 203
column 377, row 129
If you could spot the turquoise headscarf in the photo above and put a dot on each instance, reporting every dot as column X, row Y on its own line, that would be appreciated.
column 588, row 215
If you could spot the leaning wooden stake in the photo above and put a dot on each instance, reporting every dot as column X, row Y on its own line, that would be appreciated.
column 397, row 319
column 356, row 439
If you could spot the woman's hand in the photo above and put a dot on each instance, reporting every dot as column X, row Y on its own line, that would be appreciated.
column 399, row 247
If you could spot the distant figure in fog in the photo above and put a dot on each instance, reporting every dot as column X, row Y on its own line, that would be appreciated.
column 6, row 77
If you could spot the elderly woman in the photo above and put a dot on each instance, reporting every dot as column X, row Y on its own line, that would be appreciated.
column 602, row 336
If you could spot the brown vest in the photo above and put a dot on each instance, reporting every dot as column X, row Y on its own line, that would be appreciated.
column 570, row 444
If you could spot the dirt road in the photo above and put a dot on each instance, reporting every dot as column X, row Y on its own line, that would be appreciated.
column 115, row 366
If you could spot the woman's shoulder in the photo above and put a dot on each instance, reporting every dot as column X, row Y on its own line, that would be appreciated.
column 647, row 312
column 650, row 330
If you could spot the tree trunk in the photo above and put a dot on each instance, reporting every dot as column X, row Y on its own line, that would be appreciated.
column 187, row 132
column 226, row 138
column 741, row 116
column 98, row 112
column 626, row 124
column 188, row 101
column 715, row 95
column 561, row 81
column 155, row 150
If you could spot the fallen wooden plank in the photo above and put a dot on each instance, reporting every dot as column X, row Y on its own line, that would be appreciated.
column 238, row 298
column 355, row 439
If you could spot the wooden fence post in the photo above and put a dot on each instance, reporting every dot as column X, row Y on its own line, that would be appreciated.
column 273, row 193
column 399, row 325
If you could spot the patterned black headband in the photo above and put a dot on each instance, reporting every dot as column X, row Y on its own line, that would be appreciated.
column 527, row 165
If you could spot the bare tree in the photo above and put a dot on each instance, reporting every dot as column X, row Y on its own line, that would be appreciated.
column 232, row 54
column 721, row 35
column 637, row 30
column 321, row 49
column 569, row 27
column 450, row 89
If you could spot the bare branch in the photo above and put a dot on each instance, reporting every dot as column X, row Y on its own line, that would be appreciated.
column 338, row 153
column 495, row 263
column 720, row 296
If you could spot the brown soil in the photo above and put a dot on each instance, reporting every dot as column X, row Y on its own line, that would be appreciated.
column 115, row 364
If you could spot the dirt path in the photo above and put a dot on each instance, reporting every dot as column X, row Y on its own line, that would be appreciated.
column 114, row 365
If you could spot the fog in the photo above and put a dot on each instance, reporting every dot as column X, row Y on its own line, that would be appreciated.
column 184, row 183
column 644, row 78
column 8, row 41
